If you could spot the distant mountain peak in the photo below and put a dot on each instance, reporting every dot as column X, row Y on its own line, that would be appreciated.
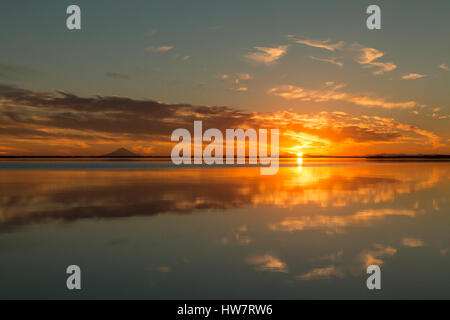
column 121, row 152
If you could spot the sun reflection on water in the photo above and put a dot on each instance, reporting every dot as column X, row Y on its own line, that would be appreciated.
column 300, row 161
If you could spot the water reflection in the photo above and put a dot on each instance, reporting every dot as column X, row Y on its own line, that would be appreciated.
column 305, row 233
column 41, row 196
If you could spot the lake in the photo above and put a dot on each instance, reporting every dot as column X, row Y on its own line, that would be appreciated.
column 149, row 230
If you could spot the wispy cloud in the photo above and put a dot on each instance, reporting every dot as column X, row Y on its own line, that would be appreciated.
column 321, row 274
column 239, row 89
column 336, row 224
column 329, row 257
column 235, row 81
column 268, row 262
column 244, row 76
column 369, row 58
column 413, row 76
column 332, row 93
column 436, row 115
column 163, row 269
column 444, row 67
column 223, row 77
column 322, row 44
column 376, row 256
column 332, row 60
column 160, row 49
column 412, row 242
column 239, row 236
column 267, row 55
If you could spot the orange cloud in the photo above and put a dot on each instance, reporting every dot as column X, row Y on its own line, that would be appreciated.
column 412, row 242
column 331, row 93
column 268, row 262
column 444, row 67
column 321, row 273
column 367, row 57
column 413, row 76
column 336, row 224
column 64, row 123
column 376, row 256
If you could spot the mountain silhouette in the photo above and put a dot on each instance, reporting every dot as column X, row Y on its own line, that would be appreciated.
column 121, row 152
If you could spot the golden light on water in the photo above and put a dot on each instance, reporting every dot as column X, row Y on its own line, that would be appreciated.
column 300, row 160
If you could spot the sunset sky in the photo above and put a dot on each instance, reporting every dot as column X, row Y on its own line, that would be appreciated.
column 140, row 69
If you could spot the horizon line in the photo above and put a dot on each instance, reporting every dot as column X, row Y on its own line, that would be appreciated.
column 246, row 157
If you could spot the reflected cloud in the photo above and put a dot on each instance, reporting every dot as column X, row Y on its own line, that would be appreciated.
column 267, row 262
column 321, row 273
column 329, row 257
column 375, row 256
column 336, row 224
column 238, row 236
column 163, row 269
column 29, row 197
column 412, row 242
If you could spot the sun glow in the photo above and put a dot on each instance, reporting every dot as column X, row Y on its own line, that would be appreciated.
column 300, row 160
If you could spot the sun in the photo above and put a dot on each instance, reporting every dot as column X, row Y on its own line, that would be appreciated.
column 300, row 160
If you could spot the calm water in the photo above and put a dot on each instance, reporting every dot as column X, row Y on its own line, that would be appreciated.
column 143, row 230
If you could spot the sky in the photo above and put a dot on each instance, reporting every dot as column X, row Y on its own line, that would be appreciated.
column 137, row 70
